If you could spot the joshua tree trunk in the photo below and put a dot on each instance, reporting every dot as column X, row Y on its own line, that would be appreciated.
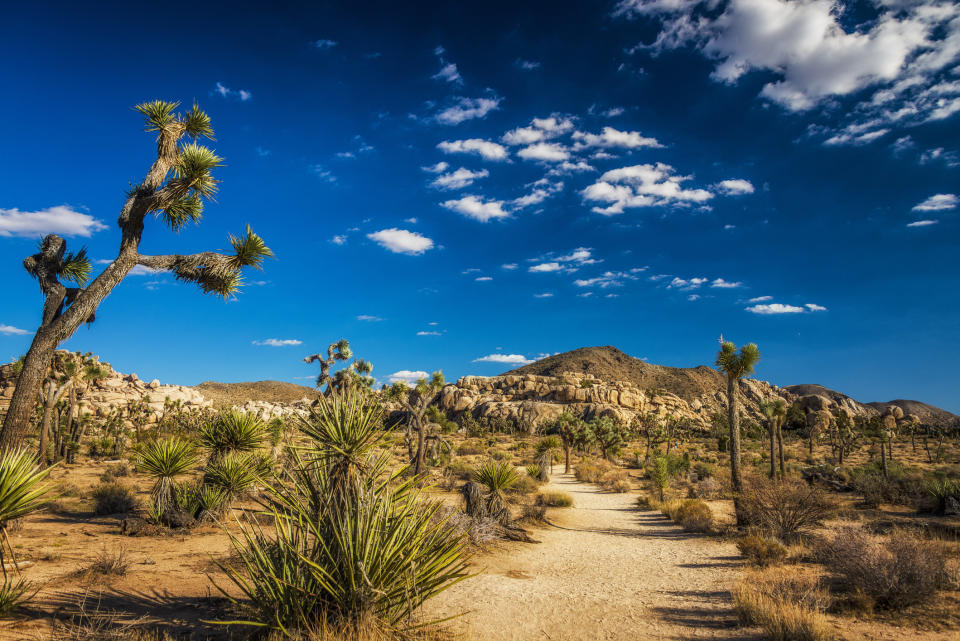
column 733, row 416
column 50, row 402
column 772, row 428
column 566, row 457
column 883, row 458
column 783, row 471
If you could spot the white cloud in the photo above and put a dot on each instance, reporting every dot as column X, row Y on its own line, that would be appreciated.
column 430, row 333
column 544, row 189
column 611, row 138
column 540, row 129
column 401, row 241
column 467, row 109
column 642, row 186
column 723, row 284
column 141, row 270
column 508, row 266
column 608, row 279
column 436, row 169
column 512, row 359
column 734, row 187
column 407, row 376
column 550, row 152
column 60, row 219
column 892, row 62
column 369, row 318
column 325, row 44
column 693, row 297
column 543, row 295
column 483, row 148
column 477, row 208
column 225, row 92
column 10, row 330
column 938, row 202
column 687, row 284
column 760, row 299
column 813, row 307
column 565, row 168
column 448, row 73
column 527, row 65
column 775, row 308
column 613, row 112
column 323, row 173
column 339, row 239
column 278, row 342
column 922, row 223
column 483, row 279
column 458, row 179
column 543, row 268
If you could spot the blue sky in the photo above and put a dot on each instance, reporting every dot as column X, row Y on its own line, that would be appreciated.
column 463, row 188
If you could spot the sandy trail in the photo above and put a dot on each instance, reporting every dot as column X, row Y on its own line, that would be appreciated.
column 604, row 571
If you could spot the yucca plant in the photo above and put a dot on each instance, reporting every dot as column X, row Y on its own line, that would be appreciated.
column 534, row 470
column 352, row 545
column 22, row 491
column 233, row 431
column 201, row 500
column 941, row 489
column 235, row 474
column 498, row 477
column 164, row 460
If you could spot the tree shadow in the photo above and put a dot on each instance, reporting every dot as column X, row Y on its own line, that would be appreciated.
column 710, row 610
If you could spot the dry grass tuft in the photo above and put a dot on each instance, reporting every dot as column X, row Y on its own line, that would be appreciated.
column 788, row 606
column 108, row 564
column 555, row 499
column 762, row 550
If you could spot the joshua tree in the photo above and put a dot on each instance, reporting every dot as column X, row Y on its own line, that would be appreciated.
column 415, row 402
column 338, row 351
column 775, row 412
column 735, row 366
column 845, row 436
column 652, row 428
column 609, row 435
column 566, row 426
column 173, row 189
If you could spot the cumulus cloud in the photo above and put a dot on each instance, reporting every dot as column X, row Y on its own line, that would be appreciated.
column 543, row 189
column 813, row 307
column 477, row 208
column 339, row 239
column 467, row 109
column 538, row 130
column 719, row 283
column 546, row 151
column 543, row 268
column 543, row 295
column 734, row 187
column 687, row 284
column 483, row 148
column 60, row 219
column 440, row 167
column 483, row 279
column 401, row 241
column 508, row 266
column 448, row 73
column 458, row 179
column 511, row 359
column 278, row 342
column 607, row 279
column 895, row 62
column 325, row 44
column 369, row 318
column 10, row 330
column 938, row 202
column 610, row 138
column 428, row 333
column 779, row 308
column 407, row 376
column 922, row 223
column 760, row 299
column 526, row 65
column 642, row 186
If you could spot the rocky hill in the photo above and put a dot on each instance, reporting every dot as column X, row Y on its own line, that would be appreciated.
column 925, row 412
column 228, row 394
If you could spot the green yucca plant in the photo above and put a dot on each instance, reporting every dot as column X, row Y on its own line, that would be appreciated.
column 498, row 477
column 201, row 500
column 235, row 474
column 533, row 470
column 942, row 489
column 22, row 491
column 351, row 544
column 233, row 431
column 164, row 460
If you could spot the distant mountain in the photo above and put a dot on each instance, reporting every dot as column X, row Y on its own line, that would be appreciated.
column 927, row 413
column 610, row 364
column 227, row 394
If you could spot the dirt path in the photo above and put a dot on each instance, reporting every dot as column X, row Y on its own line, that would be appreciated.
column 604, row 571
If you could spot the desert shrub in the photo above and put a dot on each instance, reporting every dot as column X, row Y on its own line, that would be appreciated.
column 533, row 470
column 591, row 470
column 108, row 563
column 106, row 446
column 524, row 485
column 761, row 550
column 695, row 516
column 660, row 475
column 499, row 455
column 350, row 540
column 785, row 509
column 678, row 466
column 499, row 478
column 480, row 531
column 788, row 606
column 616, row 480
column 534, row 513
column 708, row 488
column 459, row 470
column 901, row 486
column 704, row 470
column 555, row 499
column 470, row 448
column 115, row 471
column 113, row 497
column 893, row 572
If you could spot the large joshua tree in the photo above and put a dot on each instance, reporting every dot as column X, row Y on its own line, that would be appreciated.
column 735, row 365
column 174, row 189
column 415, row 401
